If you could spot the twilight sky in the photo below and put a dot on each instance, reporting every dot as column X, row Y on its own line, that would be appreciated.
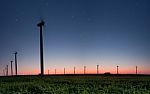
column 77, row 33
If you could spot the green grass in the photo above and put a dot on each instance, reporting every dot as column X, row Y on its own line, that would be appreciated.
column 75, row 85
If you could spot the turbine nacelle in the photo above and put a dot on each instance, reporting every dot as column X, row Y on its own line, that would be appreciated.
column 15, row 53
column 41, row 23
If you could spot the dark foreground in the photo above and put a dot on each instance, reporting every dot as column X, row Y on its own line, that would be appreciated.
column 76, row 84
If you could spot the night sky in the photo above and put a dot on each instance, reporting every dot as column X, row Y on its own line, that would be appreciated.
column 76, row 33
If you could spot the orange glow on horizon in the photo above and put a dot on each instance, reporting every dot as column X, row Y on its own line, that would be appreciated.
column 24, row 69
column 88, row 71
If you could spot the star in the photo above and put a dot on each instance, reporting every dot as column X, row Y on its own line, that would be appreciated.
column 72, row 17
column 16, row 19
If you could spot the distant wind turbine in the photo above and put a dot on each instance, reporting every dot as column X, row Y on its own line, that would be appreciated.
column 74, row 70
column 6, row 70
column 64, row 70
column 117, row 69
column 11, row 68
column 84, row 69
column 55, row 71
column 136, row 69
column 97, row 69
column 48, row 71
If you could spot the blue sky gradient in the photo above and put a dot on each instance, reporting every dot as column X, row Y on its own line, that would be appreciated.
column 77, row 33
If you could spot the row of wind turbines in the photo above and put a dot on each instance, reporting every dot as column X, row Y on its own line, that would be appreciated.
column 5, row 70
column 97, row 70
column 40, row 25
column 74, row 69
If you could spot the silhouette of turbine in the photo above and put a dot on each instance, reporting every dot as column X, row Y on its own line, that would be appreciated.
column 41, row 24
column 74, row 70
column 55, row 71
column 84, row 69
column 64, row 70
column 117, row 69
column 48, row 72
column 11, row 68
column 16, row 69
column 6, row 70
column 136, row 69
column 97, row 69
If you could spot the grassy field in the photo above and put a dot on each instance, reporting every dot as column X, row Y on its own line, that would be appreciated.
column 98, row 84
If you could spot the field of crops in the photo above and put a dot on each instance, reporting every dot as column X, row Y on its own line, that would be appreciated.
column 75, row 85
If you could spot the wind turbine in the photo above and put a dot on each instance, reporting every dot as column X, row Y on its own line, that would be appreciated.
column 84, row 69
column 64, row 70
column 55, row 71
column 117, row 69
column 136, row 69
column 11, row 68
column 48, row 71
column 97, row 69
column 74, row 70
column 6, row 70
column 41, row 24
column 16, row 62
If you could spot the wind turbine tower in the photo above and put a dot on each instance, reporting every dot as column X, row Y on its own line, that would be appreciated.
column 55, row 71
column 16, row 62
column 41, row 24
column 74, row 70
column 84, row 69
column 11, row 68
column 64, row 70
column 6, row 70
column 117, row 69
column 136, row 69
column 97, row 69
column 48, row 71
